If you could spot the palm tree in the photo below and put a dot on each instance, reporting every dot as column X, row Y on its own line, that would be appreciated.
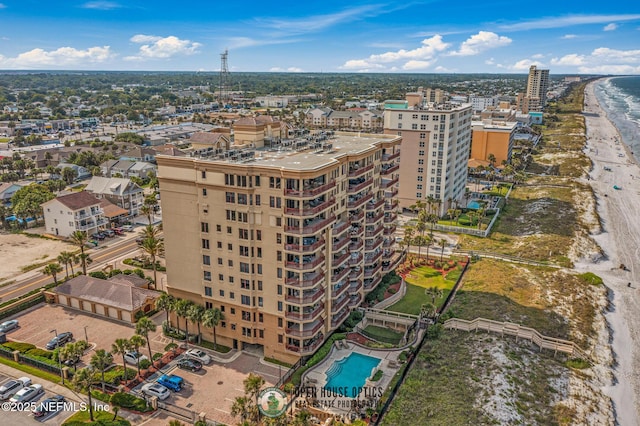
column 85, row 260
column 121, row 347
column 136, row 343
column 428, row 242
column 443, row 244
column 101, row 361
column 182, row 308
column 435, row 293
column 53, row 269
column 150, row 231
column 153, row 247
column 408, row 237
column 80, row 238
column 492, row 160
column 66, row 259
column 143, row 327
column 212, row 318
column 166, row 303
column 147, row 210
column 82, row 381
column 196, row 314
column 421, row 226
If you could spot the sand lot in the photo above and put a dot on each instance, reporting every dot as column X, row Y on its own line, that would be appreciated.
column 18, row 251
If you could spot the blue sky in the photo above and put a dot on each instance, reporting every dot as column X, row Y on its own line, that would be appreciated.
column 567, row 37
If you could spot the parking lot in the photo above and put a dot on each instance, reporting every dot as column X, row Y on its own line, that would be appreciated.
column 37, row 323
column 26, row 417
column 213, row 389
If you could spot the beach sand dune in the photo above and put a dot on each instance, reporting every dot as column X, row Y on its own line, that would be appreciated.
column 619, row 210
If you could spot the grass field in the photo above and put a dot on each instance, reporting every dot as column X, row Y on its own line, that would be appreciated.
column 419, row 281
column 383, row 334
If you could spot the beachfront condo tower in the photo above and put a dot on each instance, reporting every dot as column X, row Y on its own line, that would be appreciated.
column 436, row 139
column 535, row 98
column 284, row 236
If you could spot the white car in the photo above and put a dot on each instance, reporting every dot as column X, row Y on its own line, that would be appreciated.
column 8, row 325
column 157, row 390
column 199, row 355
column 27, row 394
column 13, row 386
column 134, row 357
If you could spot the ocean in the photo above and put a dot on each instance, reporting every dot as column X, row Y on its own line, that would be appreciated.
column 620, row 98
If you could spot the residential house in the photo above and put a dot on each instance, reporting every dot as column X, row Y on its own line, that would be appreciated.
column 82, row 173
column 141, row 169
column 204, row 140
column 7, row 190
column 121, row 168
column 78, row 211
column 140, row 153
column 119, row 191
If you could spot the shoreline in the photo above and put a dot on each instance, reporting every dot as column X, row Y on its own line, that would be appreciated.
column 620, row 241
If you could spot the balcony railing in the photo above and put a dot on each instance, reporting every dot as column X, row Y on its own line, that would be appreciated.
column 302, row 315
column 305, row 266
column 355, row 172
column 356, row 245
column 339, row 318
column 339, row 261
column 310, row 211
column 306, row 282
column 310, row 228
column 375, row 232
column 303, row 298
column 311, row 191
column 357, row 217
column 90, row 225
column 391, row 205
column 355, row 275
column 393, row 263
column 389, row 157
column 355, row 300
column 389, row 170
column 391, row 192
column 355, row 260
column 305, row 248
column 374, row 245
column 390, row 217
column 96, row 212
column 340, row 291
column 340, row 227
column 360, row 201
column 389, row 230
column 340, row 244
column 375, row 218
column 335, row 278
column 372, row 206
column 340, row 304
column 384, row 184
column 357, row 231
column 368, row 260
column 359, row 187
column 305, row 349
column 369, row 273
column 371, row 284
column 305, row 332
column 355, row 288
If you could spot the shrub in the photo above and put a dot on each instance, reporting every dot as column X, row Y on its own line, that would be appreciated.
column 19, row 346
column 464, row 222
column 98, row 274
column 101, row 396
column 40, row 353
column 114, row 272
column 591, row 278
column 144, row 364
column 578, row 363
column 377, row 376
column 126, row 400
column 156, row 356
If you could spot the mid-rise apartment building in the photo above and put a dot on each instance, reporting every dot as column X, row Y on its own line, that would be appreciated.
column 286, row 240
column 492, row 137
column 436, row 139
column 535, row 98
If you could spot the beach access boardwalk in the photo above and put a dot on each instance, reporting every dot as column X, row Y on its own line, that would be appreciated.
column 512, row 329
column 505, row 257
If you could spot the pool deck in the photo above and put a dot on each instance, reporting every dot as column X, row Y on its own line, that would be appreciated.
column 315, row 379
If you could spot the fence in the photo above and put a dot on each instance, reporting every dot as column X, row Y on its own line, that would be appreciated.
column 505, row 257
column 39, row 364
column 21, row 304
column 290, row 371
column 182, row 413
column 469, row 231
column 509, row 328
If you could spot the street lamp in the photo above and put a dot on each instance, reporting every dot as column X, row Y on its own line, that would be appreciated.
column 58, row 347
column 85, row 334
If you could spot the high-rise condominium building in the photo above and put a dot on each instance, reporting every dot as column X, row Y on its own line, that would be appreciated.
column 286, row 239
column 535, row 98
column 436, row 139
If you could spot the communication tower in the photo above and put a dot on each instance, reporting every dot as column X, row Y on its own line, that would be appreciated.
column 225, row 79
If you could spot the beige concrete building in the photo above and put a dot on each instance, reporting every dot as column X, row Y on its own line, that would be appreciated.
column 436, row 139
column 285, row 240
column 535, row 98
column 492, row 137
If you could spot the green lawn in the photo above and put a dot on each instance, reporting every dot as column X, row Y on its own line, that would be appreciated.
column 419, row 280
column 100, row 417
column 413, row 300
column 383, row 334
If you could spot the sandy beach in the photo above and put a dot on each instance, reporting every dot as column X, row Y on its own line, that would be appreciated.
column 619, row 210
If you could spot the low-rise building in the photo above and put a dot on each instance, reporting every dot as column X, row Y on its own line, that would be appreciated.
column 78, row 211
column 119, row 191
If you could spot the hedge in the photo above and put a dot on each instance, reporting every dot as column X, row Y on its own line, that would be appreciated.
column 126, row 400
column 19, row 346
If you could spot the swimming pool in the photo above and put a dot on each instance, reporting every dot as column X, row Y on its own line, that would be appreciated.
column 473, row 205
column 345, row 376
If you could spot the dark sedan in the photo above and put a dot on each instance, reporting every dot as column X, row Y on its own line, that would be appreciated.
column 59, row 340
column 189, row 364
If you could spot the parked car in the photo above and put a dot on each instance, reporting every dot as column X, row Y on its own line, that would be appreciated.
column 27, row 394
column 49, row 406
column 198, row 355
column 171, row 381
column 118, row 231
column 109, row 233
column 154, row 389
column 12, row 386
column 98, row 236
column 134, row 357
column 59, row 340
column 127, row 228
column 190, row 364
column 139, row 240
column 8, row 326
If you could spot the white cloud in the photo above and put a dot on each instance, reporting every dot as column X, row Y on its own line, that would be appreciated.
column 360, row 64
column 603, row 60
column 570, row 60
column 567, row 21
column 290, row 69
column 610, row 27
column 61, row 57
column 480, row 42
column 240, row 42
column 489, row 61
column 3, row 6
column 568, row 36
column 156, row 47
column 537, row 56
column 102, row 5
column 610, row 69
column 416, row 65
column 614, row 55
column 524, row 64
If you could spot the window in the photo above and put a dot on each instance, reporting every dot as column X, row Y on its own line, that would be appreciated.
column 414, row 116
column 279, row 238
column 259, row 268
column 206, row 259
column 219, row 244
column 280, row 306
column 399, row 116
column 207, row 275
column 246, row 315
column 204, row 227
column 242, row 198
column 279, row 256
column 229, row 230
column 244, row 284
column 258, row 235
column 245, row 300
column 229, row 246
column 219, row 228
column 419, row 187
column 280, row 322
column 220, row 277
column 421, row 161
column 230, row 263
column 279, row 272
column 420, row 170
column 279, row 289
column 231, row 215
column 423, row 135
column 421, row 152
column 231, row 279
column 260, row 304
column 257, row 199
column 205, row 244
column 208, row 291
column 203, row 174
column 221, row 293
column 244, row 267
column 418, row 194
column 424, row 117
column 259, row 285
column 272, row 201
column 230, row 197
column 280, row 338
column 243, row 234
column 232, row 310
column 419, row 178
column 274, row 182
column 232, row 295
column 421, row 144
column 208, row 305
column 414, row 126
column 399, row 125
column 243, row 217
column 423, row 127
column 257, row 180
column 278, row 221
column 204, row 192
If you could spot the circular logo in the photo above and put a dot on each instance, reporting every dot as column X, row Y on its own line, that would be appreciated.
column 272, row 402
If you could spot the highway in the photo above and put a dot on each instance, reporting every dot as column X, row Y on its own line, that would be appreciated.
column 101, row 255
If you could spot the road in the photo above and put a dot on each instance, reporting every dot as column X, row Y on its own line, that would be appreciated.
column 101, row 256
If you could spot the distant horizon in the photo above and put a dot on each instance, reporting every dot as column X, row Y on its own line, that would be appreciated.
column 362, row 37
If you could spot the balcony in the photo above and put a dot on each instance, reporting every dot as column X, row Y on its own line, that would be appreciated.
column 308, row 263
column 390, row 169
column 374, row 245
column 356, row 274
column 375, row 218
column 304, row 298
column 339, row 261
column 307, row 349
column 375, row 232
column 340, row 291
column 340, row 243
column 389, row 157
column 91, row 225
column 310, row 211
column 355, row 300
column 305, row 314
column 308, row 280
column 391, row 205
column 335, row 278
column 308, row 330
column 356, row 217
column 387, row 242
column 356, row 231
column 372, row 283
column 305, row 248
column 360, row 186
column 369, row 273
column 374, row 205
column 355, row 202
column 92, row 213
column 391, row 192
column 368, row 260
column 340, row 227
column 340, row 303
column 389, row 230
column 310, row 191
column 355, row 287
column 385, row 183
column 339, row 318
column 390, row 217
column 310, row 228
column 393, row 263
column 356, row 245
column 359, row 171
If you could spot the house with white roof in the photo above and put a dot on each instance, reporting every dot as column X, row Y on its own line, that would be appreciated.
column 119, row 191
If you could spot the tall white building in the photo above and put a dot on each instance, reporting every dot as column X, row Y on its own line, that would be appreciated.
column 535, row 98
